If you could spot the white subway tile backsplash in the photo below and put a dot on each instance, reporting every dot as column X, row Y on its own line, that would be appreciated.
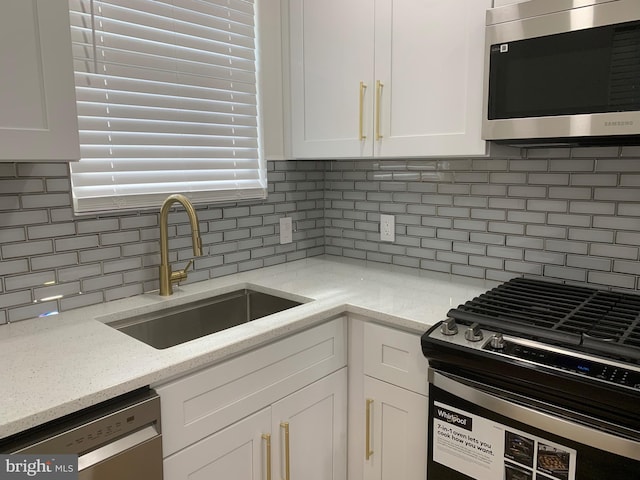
column 544, row 257
column 612, row 279
column 628, row 238
column 618, row 165
column 591, row 235
column 629, row 209
column 81, row 300
column 21, row 186
column 589, row 263
column 570, row 193
column 103, row 282
column 523, row 267
column 46, row 200
column 566, row 246
column 35, row 310
column 505, row 252
column 9, row 267
column 9, row 300
column 548, row 179
column 97, row 226
column 527, row 191
column 617, row 194
column 51, row 231
column 565, row 273
column 54, row 261
column 22, row 282
column 546, row 231
column 569, row 214
column 508, row 178
column 614, row 251
column 26, row 249
column 80, row 272
column 97, row 254
column 547, row 205
column 569, row 220
column 594, row 179
column 622, row 266
column 23, row 217
column 617, row 223
column 594, row 208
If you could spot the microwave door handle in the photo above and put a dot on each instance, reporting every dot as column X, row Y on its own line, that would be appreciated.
column 537, row 419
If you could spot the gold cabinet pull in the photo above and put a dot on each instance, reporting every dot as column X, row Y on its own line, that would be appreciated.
column 267, row 438
column 379, row 86
column 369, row 452
column 287, row 463
column 363, row 87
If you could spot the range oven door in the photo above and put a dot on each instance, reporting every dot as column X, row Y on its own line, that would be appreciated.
column 478, row 432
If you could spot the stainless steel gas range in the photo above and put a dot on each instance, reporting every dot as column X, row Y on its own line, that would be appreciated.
column 536, row 380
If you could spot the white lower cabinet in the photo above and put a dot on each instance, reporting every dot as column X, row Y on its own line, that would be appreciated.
column 397, row 420
column 388, row 404
column 218, row 422
column 238, row 452
column 310, row 424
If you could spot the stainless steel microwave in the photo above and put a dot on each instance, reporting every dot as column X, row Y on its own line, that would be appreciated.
column 563, row 72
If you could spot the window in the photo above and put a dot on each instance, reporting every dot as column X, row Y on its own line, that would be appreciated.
column 167, row 102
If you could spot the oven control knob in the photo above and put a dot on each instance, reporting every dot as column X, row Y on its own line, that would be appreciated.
column 473, row 333
column 449, row 327
column 497, row 341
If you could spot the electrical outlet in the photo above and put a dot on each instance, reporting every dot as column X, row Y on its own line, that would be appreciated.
column 387, row 228
column 286, row 230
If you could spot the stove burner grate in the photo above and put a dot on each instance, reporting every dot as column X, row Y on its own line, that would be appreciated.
column 597, row 320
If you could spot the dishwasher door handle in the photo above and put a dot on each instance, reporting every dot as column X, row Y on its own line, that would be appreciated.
column 117, row 447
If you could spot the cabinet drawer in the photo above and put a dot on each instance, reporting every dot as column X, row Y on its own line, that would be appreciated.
column 206, row 401
column 395, row 357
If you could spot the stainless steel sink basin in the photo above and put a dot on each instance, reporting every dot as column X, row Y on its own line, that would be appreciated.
column 187, row 322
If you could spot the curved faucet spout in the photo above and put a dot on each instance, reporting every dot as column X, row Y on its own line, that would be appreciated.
column 167, row 278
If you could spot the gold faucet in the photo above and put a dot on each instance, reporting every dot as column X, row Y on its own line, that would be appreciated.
column 167, row 278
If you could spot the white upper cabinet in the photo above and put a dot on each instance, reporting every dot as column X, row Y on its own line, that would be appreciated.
column 331, row 52
column 37, row 94
column 390, row 78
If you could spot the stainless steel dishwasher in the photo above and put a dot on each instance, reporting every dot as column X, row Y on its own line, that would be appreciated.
column 117, row 439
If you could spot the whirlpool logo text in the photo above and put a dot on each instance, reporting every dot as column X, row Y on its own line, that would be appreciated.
column 454, row 418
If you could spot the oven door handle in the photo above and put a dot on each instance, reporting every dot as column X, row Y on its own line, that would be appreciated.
column 529, row 416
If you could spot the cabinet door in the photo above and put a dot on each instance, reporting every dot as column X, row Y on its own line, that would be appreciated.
column 316, row 420
column 397, row 432
column 429, row 57
column 331, row 52
column 37, row 94
column 238, row 452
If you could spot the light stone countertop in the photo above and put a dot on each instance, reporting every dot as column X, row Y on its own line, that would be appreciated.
column 53, row 366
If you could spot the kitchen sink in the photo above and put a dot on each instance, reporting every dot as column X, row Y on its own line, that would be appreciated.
column 180, row 324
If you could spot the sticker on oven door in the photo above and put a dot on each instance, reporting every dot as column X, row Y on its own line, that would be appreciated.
column 504, row 48
column 486, row 450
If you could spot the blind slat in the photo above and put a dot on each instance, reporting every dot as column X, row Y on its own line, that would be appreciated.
column 167, row 102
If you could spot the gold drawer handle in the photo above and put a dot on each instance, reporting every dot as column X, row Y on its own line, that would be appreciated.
column 267, row 438
column 379, row 86
column 369, row 452
column 361, row 134
column 287, row 463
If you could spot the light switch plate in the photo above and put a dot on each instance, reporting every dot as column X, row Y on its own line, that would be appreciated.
column 387, row 228
column 286, row 230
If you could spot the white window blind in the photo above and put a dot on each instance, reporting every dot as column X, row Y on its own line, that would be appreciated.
column 167, row 102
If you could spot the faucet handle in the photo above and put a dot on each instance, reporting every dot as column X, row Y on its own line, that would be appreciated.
column 177, row 277
column 189, row 263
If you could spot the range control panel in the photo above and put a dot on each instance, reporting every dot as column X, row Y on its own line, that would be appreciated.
column 590, row 368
